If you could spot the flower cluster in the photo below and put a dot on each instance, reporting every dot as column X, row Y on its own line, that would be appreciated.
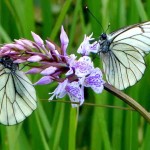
column 53, row 63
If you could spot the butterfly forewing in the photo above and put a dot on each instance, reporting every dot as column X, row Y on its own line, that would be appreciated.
column 137, row 36
column 17, row 96
column 123, row 63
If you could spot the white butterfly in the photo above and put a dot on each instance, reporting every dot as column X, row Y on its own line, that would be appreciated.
column 17, row 95
column 122, row 53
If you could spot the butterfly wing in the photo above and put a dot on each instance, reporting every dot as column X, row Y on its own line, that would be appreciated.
column 124, row 64
column 17, row 96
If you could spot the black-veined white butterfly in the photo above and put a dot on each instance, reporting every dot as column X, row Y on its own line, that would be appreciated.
column 17, row 95
column 122, row 53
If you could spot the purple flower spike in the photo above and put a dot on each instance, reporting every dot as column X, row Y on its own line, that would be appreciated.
column 44, row 80
column 64, row 41
column 35, row 58
column 71, row 73
column 49, row 71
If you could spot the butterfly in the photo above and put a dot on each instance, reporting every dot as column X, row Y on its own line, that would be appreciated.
column 17, row 95
column 122, row 54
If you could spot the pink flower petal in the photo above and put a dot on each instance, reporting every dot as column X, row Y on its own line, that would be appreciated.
column 49, row 70
column 27, row 43
column 50, row 45
column 64, row 40
column 83, row 66
column 44, row 80
column 37, row 39
column 35, row 58
column 86, row 48
column 75, row 93
column 60, row 91
column 34, row 71
column 18, row 61
column 95, row 81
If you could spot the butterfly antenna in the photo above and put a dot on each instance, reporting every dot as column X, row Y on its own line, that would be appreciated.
column 107, row 27
column 94, row 17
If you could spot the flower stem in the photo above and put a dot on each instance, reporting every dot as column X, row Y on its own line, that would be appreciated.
column 92, row 104
column 135, row 105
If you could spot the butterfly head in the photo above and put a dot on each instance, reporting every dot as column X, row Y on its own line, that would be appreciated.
column 103, row 37
column 7, row 62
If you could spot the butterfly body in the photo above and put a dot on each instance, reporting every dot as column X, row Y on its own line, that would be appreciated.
column 104, row 43
column 122, row 54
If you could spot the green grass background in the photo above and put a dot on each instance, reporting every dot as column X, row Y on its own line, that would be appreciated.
column 55, row 125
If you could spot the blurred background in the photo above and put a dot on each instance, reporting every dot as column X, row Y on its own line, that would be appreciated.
column 56, row 125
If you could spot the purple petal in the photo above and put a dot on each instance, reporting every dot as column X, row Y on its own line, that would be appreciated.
column 19, row 61
column 75, row 93
column 37, row 39
column 94, row 47
column 15, row 46
column 49, row 70
column 20, row 47
column 64, row 40
column 95, row 81
column 34, row 71
column 24, row 42
column 35, row 58
column 71, row 59
column 27, row 43
column 83, row 66
column 4, row 49
column 19, row 42
column 60, row 90
column 11, row 52
column 10, row 45
column 69, row 72
column 44, row 80
column 85, row 47
column 50, row 45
